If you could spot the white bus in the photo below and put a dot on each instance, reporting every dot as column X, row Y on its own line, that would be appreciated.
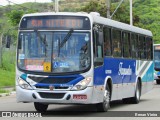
column 81, row 58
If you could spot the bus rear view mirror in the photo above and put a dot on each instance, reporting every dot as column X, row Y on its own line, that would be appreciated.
column 8, row 41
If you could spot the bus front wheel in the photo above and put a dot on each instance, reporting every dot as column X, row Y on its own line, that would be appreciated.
column 105, row 105
column 40, row 107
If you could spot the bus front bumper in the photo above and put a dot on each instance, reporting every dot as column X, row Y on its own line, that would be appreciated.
column 53, row 97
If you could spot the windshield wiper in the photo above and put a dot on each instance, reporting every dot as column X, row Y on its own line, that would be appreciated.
column 43, row 40
column 64, row 40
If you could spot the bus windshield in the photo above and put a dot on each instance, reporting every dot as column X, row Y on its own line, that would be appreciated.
column 55, row 52
column 157, row 59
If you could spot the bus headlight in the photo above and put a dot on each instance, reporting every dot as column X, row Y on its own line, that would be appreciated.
column 82, row 84
column 23, row 84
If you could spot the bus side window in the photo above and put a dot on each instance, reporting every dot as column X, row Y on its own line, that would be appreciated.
column 107, row 41
column 149, row 48
column 142, row 47
column 116, row 40
column 126, row 45
column 98, row 47
column 134, row 45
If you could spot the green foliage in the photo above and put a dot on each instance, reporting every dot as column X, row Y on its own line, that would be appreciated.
column 145, row 13
column 122, row 14
column 149, row 16
column 95, row 6
column 7, row 78
column 4, row 91
column 7, row 71
column 15, row 16
column 8, row 60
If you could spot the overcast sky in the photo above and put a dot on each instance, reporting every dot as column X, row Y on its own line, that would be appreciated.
column 5, row 2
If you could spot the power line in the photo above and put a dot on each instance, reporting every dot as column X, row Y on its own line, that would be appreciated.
column 116, row 8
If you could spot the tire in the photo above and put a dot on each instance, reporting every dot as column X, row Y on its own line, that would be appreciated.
column 136, row 98
column 40, row 107
column 158, row 81
column 105, row 105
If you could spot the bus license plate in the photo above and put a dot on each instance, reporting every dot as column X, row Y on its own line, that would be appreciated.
column 80, row 97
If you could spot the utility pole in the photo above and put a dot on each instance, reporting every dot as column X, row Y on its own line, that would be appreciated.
column 9, row 3
column 56, row 5
column 108, row 8
column 1, row 49
column 131, row 16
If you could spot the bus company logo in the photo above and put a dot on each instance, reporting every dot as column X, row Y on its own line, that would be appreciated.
column 51, row 87
column 124, row 71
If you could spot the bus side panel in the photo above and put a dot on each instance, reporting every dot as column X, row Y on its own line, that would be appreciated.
column 145, row 70
column 122, row 73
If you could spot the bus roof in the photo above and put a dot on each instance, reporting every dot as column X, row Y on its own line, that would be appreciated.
column 96, row 18
column 120, row 25
column 57, row 13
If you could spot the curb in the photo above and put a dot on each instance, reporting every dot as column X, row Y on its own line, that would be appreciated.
column 7, row 94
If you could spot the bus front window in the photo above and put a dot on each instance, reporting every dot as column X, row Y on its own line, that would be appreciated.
column 54, row 52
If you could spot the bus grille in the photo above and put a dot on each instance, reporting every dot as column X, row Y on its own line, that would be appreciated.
column 47, row 88
column 52, row 95
column 52, row 80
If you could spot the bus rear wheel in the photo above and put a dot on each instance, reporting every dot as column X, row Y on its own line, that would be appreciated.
column 105, row 105
column 136, row 98
column 40, row 107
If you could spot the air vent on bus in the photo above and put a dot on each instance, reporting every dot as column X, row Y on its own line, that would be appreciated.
column 52, row 95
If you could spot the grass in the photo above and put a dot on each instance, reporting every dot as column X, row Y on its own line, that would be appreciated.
column 4, row 91
column 7, row 70
column 7, row 78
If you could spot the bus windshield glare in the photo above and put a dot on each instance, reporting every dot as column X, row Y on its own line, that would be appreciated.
column 55, row 52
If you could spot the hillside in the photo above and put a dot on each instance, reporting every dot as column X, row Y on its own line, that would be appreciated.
column 149, row 16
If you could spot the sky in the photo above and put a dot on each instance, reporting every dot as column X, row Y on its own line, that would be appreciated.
column 5, row 2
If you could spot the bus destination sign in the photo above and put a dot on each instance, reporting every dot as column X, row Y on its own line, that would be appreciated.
column 55, row 22
column 157, row 47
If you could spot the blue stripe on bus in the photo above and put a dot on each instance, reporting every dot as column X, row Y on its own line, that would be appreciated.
column 120, row 70
column 149, row 74
column 24, row 76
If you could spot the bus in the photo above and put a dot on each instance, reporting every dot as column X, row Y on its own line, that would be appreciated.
column 157, row 63
column 81, row 58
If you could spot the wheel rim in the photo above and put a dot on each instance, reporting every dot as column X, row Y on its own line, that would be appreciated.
column 106, row 98
column 138, row 93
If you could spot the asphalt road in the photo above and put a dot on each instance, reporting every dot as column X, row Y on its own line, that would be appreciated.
column 150, row 103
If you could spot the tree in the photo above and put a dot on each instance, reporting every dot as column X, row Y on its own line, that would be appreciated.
column 121, row 15
column 15, row 16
